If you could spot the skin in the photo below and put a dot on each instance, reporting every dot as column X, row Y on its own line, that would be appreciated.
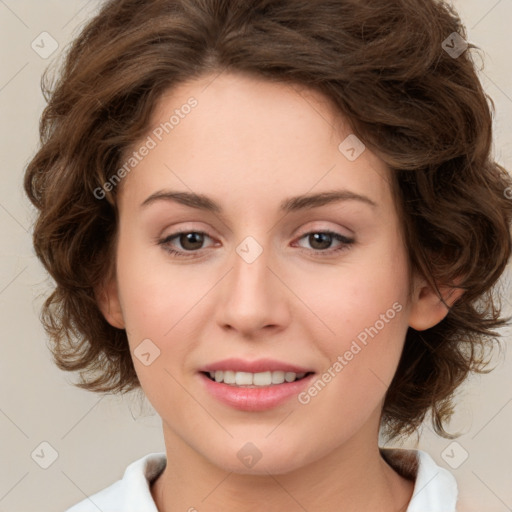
column 248, row 145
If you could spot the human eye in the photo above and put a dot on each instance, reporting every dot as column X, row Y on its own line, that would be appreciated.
column 190, row 242
column 320, row 241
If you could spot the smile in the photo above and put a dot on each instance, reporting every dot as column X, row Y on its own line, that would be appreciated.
column 248, row 379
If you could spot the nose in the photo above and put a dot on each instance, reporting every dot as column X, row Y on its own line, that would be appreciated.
column 254, row 298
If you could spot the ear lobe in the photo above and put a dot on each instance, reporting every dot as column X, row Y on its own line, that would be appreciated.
column 108, row 301
column 427, row 308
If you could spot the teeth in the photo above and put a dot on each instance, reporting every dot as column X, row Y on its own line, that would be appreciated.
column 262, row 379
column 289, row 376
column 243, row 379
column 229, row 377
column 254, row 379
column 277, row 377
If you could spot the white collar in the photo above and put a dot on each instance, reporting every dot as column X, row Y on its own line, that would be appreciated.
column 435, row 488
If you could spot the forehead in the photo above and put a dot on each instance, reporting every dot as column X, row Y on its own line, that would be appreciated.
column 263, row 140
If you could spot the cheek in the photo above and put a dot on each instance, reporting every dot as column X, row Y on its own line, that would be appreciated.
column 160, row 303
column 155, row 294
column 364, row 307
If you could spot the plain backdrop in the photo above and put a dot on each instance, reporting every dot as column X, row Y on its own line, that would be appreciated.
column 88, row 440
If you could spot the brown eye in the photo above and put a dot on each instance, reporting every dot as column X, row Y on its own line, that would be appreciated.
column 184, row 243
column 321, row 242
column 191, row 241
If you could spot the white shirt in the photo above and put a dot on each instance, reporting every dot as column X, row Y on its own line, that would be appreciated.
column 435, row 488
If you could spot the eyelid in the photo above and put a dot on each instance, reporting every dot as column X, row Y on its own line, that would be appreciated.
column 318, row 225
column 318, row 228
column 345, row 243
column 174, row 235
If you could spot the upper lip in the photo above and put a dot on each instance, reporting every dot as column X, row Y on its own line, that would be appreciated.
column 256, row 366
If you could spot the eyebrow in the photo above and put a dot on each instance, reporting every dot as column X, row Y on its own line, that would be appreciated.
column 302, row 202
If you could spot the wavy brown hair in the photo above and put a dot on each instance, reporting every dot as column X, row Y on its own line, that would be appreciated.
column 383, row 67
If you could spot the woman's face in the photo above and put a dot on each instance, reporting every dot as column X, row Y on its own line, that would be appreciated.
column 273, row 279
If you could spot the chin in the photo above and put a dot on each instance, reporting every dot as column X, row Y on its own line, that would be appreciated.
column 248, row 459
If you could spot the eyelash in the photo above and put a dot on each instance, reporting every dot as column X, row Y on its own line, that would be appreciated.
column 345, row 246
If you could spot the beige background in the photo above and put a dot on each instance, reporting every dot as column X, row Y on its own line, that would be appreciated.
column 96, row 438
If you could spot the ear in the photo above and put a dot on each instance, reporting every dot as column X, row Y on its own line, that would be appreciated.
column 107, row 297
column 427, row 308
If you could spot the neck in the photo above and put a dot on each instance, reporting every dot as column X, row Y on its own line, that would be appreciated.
column 352, row 478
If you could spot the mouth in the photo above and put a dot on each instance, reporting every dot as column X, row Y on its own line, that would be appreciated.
column 254, row 385
column 255, row 380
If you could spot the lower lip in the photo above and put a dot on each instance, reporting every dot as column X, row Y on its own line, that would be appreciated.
column 255, row 399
